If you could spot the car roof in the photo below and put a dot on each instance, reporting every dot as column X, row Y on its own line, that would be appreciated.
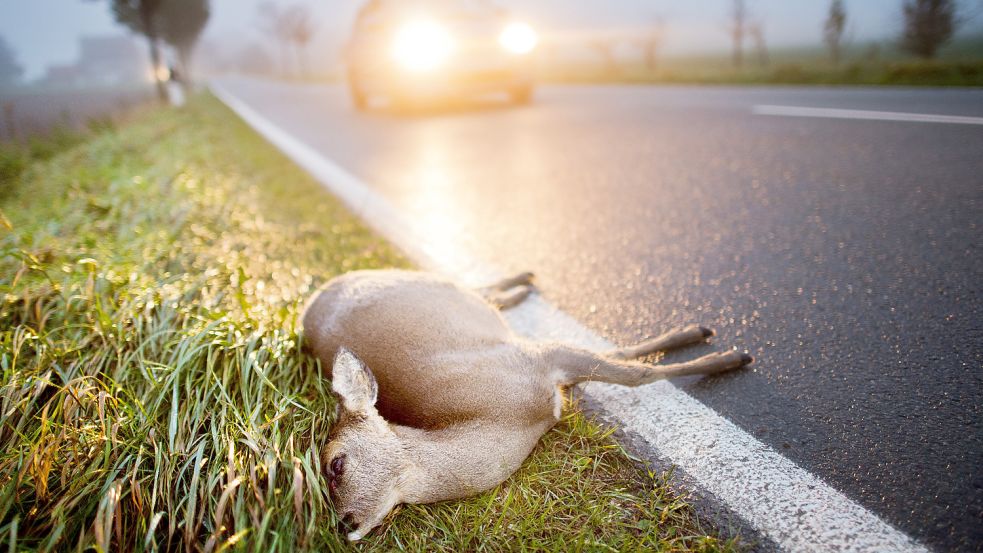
column 380, row 7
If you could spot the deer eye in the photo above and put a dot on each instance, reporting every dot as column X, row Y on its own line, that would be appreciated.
column 338, row 466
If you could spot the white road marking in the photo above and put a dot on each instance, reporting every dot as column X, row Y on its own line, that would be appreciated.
column 832, row 113
column 786, row 503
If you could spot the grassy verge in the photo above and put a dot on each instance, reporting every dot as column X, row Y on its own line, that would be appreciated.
column 16, row 157
column 153, row 392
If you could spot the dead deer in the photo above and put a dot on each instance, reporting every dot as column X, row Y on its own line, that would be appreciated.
column 438, row 398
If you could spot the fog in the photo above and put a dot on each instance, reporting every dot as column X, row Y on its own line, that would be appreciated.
column 46, row 32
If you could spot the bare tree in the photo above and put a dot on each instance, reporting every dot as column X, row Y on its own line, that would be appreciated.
column 833, row 30
column 605, row 48
column 928, row 25
column 756, row 30
column 11, row 70
column 292, row 28
column 300, row 28
column 272, row 22
column 738, row 29
column 652, row 42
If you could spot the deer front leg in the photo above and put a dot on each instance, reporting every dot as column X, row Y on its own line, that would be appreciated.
column 521, row 279
column 575, row 366
column 671, row 340
column 508, row 292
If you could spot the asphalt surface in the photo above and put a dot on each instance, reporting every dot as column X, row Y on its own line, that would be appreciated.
column 844, row 255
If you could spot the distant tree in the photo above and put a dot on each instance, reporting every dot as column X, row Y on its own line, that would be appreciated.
column 140, row 16
column 181, row 23
column 833, row 30
column 652, row 43
column 10, row 70
column 177, row 22
column 273, row 23
column 300, row 30
column 757, row 32
column 605, row 48
column 738, row 28
column 292, row 28
column 928, row 24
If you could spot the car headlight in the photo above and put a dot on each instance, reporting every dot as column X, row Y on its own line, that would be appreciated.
column 518, row 38
column 422, row 45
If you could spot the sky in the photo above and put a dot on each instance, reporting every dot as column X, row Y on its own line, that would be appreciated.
column 46, row 32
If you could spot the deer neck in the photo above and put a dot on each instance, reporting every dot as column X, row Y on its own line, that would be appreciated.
column 460, row 460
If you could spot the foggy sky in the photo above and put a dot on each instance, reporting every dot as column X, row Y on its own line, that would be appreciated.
column 47, row 31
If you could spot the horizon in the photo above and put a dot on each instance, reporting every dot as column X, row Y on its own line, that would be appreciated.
column 692, row 28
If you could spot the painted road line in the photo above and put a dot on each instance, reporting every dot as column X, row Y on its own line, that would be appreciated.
column 786, row 503
column 831, row 113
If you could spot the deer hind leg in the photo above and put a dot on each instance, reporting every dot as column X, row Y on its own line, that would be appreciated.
column 576, row 366
column 674, row 339
column 509, row 292
column 511, row 298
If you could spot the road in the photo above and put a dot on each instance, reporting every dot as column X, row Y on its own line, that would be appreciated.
column 844, row 254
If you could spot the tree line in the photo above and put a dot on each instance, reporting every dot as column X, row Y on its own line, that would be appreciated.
column 927, row 25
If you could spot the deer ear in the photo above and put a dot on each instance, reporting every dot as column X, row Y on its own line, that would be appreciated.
column 353, row 382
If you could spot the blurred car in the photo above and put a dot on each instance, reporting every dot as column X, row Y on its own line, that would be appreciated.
column 413, row 50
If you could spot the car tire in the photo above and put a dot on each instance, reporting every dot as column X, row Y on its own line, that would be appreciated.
column 405, row 103
column 521, row 94
column 360, row 100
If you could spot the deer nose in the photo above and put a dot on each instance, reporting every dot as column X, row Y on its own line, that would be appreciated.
column 347, row 524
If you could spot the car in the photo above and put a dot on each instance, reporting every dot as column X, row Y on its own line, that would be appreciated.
column 427, row 50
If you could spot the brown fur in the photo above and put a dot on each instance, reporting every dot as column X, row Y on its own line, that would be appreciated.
column 440, row 399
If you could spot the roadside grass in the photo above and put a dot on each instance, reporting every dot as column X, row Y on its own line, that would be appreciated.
column 154, row 395
column 16, row 157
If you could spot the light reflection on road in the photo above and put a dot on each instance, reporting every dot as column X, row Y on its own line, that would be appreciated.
column 438, row 217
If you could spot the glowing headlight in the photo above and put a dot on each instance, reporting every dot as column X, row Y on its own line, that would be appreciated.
column 422, row 46
column 518, row 38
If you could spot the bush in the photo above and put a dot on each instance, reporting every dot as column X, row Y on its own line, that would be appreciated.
column 789, row 73
column 917, row 73
column 13, row 161
column 853, row 72
column 971, row 72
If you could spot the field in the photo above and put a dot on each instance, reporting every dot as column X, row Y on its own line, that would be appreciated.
column 33, row 111
column 154, row 393
column 910, row 73
column 868, row 64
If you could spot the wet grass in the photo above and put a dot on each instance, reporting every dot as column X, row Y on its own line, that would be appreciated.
column 17, row 156
column 154, row 395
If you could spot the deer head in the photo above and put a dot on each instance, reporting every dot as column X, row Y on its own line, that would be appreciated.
column 363, row 459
